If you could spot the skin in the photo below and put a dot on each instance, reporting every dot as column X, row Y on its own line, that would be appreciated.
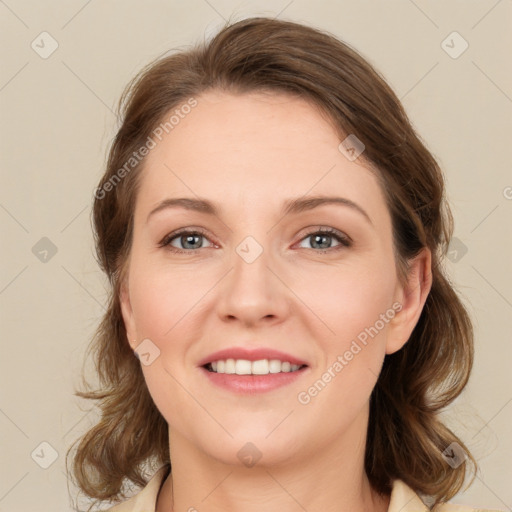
column 249, row 153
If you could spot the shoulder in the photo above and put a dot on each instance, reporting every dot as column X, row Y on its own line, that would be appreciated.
column 145, row 500
column 404, row 499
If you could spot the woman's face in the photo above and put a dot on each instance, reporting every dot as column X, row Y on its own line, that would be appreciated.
column 257, row 276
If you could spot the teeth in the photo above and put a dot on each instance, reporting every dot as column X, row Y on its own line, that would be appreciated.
column 229, row 366
column 274, row 366
column 246, row 367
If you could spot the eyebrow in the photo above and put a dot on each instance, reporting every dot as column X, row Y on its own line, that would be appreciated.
column 290, row 207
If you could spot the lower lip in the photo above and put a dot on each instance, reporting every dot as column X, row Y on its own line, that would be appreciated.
column 249, row 384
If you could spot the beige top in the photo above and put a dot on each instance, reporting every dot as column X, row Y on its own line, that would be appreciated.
column 403, row 499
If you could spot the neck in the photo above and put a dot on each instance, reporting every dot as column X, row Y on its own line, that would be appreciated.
column 328, row 480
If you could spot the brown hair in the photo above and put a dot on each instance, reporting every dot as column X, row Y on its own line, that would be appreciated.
column 405, row 436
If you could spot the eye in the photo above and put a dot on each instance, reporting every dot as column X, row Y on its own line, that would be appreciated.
column 321, row 239
column 192, row 239
column 189, row 239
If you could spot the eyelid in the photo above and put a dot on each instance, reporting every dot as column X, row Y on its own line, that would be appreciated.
column 183, row 231
column 311, row 230
column 344, row 241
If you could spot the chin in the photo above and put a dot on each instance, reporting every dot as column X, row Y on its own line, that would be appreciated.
column 254, row 446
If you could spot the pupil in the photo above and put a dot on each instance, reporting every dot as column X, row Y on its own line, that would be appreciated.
column 189, row 238
column 321, row 237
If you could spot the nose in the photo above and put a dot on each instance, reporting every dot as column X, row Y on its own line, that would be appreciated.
column 253, row 292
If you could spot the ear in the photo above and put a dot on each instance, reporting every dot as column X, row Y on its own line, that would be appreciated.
column 128, row 318
column 412, row 297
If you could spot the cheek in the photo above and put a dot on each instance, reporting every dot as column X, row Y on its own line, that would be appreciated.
column 164, row 298
column 358, row 311
column 163, row 305
column 348, row 299
column 354, row 306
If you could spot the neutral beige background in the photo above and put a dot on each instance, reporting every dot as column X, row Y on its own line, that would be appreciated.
column 57, row 121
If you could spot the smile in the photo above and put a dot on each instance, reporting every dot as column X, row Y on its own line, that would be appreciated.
column 246, row 367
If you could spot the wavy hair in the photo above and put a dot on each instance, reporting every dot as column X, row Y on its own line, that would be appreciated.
column 405, row 437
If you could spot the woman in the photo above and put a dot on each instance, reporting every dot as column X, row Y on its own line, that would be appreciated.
column 273, row 228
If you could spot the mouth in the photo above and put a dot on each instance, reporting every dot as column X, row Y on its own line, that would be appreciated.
column 252, row 370
column 247, row 367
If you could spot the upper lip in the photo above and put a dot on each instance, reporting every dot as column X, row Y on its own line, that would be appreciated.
column 250, row 354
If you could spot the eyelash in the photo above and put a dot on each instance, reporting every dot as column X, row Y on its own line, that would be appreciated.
column 343, row 239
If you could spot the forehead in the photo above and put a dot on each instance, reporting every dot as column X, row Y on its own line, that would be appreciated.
column 253, row 149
